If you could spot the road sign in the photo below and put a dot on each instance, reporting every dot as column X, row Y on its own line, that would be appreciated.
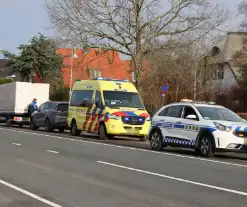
column 164, row 88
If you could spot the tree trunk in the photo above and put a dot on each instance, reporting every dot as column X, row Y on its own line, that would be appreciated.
column 177, row 89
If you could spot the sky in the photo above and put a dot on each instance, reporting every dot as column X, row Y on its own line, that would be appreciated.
column 21, row 20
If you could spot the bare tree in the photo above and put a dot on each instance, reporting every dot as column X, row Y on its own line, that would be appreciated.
column 242, row 9
column 133, row 27
column 183, row 68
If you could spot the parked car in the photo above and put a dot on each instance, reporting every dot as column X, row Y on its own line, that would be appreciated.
column 51, row 115
column 205, row 127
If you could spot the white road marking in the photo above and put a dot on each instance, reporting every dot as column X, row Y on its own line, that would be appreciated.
column 55, row 152
column 36, row 197
column 176, row 179
column 17, row 144
column 125, row 147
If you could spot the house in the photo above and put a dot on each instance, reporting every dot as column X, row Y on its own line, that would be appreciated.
column 222, row 64
column 93, row 63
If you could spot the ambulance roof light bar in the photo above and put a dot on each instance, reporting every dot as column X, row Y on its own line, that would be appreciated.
column 110, row 79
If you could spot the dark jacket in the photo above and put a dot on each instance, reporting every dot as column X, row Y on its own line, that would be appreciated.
column 32, row 108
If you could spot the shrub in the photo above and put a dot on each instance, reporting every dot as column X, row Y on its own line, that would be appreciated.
column 5, row 80
column 59, row 94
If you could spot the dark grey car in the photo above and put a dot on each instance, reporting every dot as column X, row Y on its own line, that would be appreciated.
column 51, row 115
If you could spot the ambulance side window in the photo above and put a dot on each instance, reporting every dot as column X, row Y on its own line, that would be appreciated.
column 81, row 98
column 98, row 100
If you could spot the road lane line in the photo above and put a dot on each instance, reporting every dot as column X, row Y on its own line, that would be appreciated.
column 17, row 144
column 55, row 152
column 126, row 147
column 36, row 197
column 176, row 179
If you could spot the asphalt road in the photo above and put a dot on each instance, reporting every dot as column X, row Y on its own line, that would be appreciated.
column 39, row 169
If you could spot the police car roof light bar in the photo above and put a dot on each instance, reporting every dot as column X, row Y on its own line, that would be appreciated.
column 186, row 100
column 198, row 102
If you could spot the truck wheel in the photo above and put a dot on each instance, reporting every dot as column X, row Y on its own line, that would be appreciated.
column 156, row 140
column 9, row 123
column 33, row 125
column 48, row 126
column 102, row 132
column 21, row 125
column 206, row 146
column 74, row 130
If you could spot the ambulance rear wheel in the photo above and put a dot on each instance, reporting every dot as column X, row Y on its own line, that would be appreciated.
column 102, row 132
column 74, row 130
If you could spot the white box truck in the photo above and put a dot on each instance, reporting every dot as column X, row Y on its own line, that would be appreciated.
column 15, row 98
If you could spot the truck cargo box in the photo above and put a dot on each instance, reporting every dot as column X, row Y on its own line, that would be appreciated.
column 15, row 97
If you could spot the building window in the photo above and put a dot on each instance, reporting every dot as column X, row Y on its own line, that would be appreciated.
column 218, row 72
column 86, row 50
column 94, row 74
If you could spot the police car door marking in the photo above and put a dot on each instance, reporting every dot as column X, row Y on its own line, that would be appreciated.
column 184, row 126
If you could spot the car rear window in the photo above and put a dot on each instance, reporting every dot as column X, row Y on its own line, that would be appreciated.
column 63, row 107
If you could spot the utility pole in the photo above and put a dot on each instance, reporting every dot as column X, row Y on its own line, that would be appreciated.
column 73, row 55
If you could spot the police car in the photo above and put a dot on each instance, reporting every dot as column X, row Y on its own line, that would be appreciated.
column 205, row 127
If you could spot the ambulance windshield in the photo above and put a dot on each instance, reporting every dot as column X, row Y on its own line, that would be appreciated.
column 122, row 99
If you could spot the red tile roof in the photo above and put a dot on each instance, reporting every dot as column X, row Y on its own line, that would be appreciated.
column 108, row 62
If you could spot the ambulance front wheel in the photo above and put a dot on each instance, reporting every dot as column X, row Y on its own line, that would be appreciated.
column 103, row 133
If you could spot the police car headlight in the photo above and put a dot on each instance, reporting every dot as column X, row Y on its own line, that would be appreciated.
column 222, row 127
column 111, row 116
column 148, row 119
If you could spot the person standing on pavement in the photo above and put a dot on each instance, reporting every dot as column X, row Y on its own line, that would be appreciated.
column 32, row 107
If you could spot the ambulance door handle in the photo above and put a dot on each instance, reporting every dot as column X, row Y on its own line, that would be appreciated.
column 179, row 122
column 162, row 120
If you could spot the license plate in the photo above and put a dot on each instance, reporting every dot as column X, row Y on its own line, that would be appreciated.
column 130, row 130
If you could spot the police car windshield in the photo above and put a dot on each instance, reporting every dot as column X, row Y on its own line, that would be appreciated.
column 214, row 113
column 115, row 99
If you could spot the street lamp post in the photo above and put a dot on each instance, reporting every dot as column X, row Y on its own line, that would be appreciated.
column 73, row 55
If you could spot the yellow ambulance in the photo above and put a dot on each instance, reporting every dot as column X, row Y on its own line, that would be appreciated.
column 109, row 108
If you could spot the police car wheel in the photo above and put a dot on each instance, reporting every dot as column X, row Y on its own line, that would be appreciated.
column 156, row 141
column 206, row 146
